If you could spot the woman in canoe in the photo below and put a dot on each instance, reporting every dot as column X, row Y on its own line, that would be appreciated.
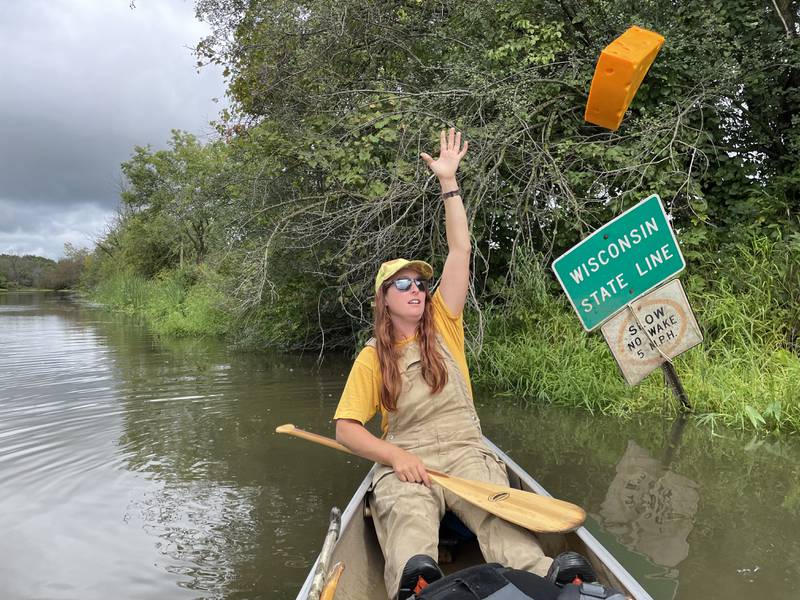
column 414, row 371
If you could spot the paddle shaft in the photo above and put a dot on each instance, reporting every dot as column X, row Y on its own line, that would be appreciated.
column 534, row 512
column 326, row 441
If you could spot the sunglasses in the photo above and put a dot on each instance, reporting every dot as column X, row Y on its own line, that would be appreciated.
column 404, row 284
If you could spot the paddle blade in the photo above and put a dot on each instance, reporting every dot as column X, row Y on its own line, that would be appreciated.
column 537, row 513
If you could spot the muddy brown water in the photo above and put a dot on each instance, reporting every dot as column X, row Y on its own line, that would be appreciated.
column 138, row 467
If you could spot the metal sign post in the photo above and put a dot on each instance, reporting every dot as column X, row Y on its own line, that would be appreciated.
column 674, row 382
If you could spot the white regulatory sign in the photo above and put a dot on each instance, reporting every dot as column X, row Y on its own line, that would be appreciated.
column 669, row 329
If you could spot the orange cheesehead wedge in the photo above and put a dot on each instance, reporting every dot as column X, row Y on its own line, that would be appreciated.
column 618, row 74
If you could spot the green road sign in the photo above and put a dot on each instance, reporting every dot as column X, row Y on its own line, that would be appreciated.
column 625, row 258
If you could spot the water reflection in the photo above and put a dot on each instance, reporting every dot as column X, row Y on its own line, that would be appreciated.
column 203, row 532
column 737, row 503
column 64, row 485
column 232, row 499
column 145, row 465
column 649, row 508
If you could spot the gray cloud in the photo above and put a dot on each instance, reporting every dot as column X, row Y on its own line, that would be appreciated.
column 84, row 81
column 43, row 229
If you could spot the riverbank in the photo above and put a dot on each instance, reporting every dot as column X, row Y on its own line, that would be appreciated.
column 181, row 303
column 35, row 289
column 746, row 374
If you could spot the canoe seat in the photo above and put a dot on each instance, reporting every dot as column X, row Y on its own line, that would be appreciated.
column 452, row 534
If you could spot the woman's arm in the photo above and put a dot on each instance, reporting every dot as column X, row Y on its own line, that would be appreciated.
column 455, row 274
column 359, row 440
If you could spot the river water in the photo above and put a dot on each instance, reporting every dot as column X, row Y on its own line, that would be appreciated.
column 136, row 467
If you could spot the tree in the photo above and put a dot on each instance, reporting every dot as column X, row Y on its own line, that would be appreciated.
column 316, row 178
column 179, row 189
column 24, row 271
column 66, row 273
column 333, row 101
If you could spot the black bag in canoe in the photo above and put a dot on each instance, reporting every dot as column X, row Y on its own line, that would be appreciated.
column 495, row 582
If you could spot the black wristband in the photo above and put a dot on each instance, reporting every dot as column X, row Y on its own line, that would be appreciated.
column 455, row 192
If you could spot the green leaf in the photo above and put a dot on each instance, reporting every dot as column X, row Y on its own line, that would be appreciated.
column 755, row 417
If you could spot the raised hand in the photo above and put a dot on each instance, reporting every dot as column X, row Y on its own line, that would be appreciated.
column 450, row 155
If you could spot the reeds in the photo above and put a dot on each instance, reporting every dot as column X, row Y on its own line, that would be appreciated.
column 177, row 303
column 746, row 374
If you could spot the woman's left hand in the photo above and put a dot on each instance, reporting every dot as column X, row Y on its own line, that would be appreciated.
column 450, row 154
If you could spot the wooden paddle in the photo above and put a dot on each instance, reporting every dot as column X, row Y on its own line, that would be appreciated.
column 526, row 509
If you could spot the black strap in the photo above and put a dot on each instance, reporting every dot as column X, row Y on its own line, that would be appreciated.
column 491, row 582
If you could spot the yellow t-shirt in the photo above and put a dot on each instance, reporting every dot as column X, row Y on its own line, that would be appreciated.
column 361, row 397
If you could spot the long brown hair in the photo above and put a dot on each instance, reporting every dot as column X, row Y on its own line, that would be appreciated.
column 434, row 371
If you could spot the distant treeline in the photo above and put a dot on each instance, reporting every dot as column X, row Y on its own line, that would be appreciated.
column 31, row 271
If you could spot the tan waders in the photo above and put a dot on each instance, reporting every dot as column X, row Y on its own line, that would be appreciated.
column 444, row 431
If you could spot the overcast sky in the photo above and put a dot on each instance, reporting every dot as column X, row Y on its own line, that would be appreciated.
column 83, row 82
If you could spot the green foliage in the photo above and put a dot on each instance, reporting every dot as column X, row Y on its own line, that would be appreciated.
column 536, row 350
column 180, row 305
column 522, row 39
column 333, row 102
column 126, row 292
column 42, row 273
column 24, row 271
column 316, row 179
column 744, row 374
column 68, row 271
column 145, row 244
column 751, row 291
column 177, row 303
column 169, row 206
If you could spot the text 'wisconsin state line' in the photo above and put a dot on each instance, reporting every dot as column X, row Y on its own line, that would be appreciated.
column 614, row 249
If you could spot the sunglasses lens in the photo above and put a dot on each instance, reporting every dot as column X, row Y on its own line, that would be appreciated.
column 404, row 284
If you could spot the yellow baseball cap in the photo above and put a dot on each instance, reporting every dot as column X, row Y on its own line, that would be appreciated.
column 390, row 267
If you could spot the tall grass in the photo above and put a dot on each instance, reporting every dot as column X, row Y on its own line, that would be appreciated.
column 126, row 292
column 177, row 303
column 746, row 373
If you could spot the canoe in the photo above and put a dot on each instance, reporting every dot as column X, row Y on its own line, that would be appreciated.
column 357, row 547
